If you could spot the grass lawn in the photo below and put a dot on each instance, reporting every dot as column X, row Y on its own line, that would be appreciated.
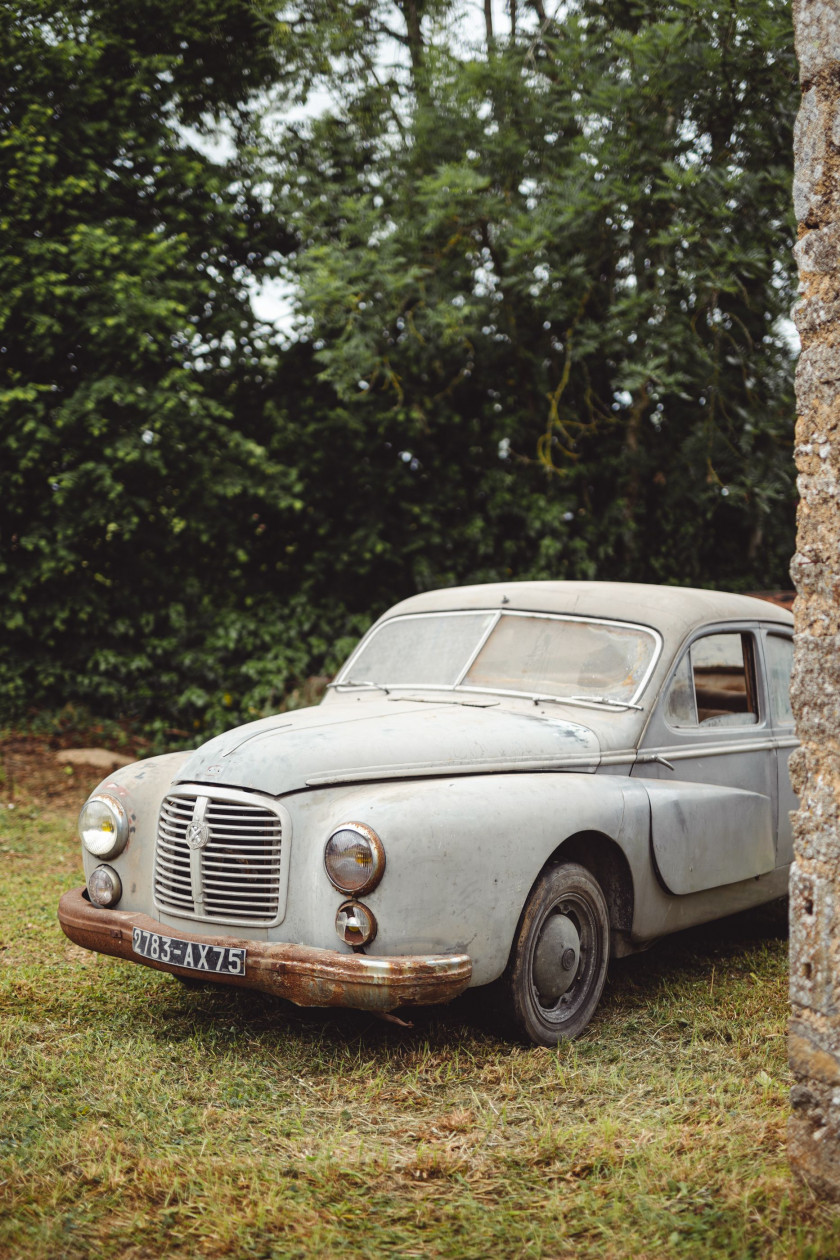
column 141, row 1119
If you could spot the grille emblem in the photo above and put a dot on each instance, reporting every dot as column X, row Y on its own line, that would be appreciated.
column 198, row 835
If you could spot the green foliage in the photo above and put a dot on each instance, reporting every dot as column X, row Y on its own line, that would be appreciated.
column 555, row 273
column 132, row 481
column 541, row 281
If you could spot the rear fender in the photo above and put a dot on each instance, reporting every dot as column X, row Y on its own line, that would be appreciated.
column 706, row 836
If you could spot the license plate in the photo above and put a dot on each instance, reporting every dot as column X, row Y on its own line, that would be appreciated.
column 226, row 961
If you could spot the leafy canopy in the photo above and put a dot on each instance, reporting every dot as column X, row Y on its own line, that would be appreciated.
column 541, row 276
column 552, row 268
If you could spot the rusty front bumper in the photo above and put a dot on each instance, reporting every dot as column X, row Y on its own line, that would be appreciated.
column 308, row 977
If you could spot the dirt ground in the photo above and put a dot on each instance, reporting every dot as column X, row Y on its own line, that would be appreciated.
column 55, row 773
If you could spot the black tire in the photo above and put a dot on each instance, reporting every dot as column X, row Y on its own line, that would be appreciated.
column 559, row 959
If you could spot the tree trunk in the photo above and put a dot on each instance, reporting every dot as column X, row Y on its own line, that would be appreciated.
column 814, row 1131
column 412, row 12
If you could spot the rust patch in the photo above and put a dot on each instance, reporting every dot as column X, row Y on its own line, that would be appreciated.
column 299, row 973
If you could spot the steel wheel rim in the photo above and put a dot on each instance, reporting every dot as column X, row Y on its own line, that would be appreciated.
column 582, row 913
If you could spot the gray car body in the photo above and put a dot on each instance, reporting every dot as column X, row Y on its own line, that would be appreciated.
column 474, row 793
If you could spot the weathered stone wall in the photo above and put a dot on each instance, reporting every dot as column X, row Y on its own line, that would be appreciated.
column 815, row 881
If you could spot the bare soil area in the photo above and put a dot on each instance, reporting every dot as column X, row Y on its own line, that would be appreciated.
column 56, row 773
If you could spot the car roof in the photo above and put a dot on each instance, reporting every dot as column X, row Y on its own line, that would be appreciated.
column 672, row 610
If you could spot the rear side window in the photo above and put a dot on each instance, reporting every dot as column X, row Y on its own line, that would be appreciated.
column 778, row 650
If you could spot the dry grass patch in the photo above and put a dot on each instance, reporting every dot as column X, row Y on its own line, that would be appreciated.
column 143, row 1119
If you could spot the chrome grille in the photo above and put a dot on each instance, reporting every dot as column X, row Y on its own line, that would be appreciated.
column 235, row 876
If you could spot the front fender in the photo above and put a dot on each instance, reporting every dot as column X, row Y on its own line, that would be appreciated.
column 461, row 854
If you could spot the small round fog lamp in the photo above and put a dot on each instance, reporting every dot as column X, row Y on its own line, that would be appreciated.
column 354, row 923
column 104, row 887
column 103, row 826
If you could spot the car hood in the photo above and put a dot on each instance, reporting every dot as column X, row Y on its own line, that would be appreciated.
column 352, row 742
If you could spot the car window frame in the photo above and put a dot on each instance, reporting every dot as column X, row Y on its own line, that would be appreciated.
column 762, row 726
column 460, row 686
column 778, row 632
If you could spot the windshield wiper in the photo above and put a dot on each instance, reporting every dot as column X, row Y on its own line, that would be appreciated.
column 469, row 704
column 613, row 704
column 351, row 682
column 616, row 704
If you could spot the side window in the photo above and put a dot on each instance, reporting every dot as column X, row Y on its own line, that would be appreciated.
column 680, row 708
column 714, row 684
column 778, row 651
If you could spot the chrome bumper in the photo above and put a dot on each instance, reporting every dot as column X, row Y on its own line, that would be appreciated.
column 306, row 976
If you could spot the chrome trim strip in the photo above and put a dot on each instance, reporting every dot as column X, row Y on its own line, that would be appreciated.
column 425, row 770
column 196, row 880
column 680, row 753
column 623, row 757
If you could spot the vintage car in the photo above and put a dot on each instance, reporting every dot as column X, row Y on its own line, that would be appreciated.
column 514, row 781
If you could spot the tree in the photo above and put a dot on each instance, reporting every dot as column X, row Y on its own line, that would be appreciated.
column 131, row 479
column 548, row 276
column 540, row 305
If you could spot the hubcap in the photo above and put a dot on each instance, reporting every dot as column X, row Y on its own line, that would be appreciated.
column 556, row 958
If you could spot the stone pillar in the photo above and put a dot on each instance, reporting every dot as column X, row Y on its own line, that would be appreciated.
column 814, row 1131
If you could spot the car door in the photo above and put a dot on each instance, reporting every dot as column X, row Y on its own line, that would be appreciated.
column 708, row 760
column 777, row 645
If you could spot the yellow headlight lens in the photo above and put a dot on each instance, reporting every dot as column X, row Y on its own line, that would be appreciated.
column 354, row 858
column 103, row 826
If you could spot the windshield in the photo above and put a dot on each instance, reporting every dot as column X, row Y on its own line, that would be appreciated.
column 523, row 653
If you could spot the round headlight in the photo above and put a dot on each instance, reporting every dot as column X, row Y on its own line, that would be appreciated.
column 354, row 858
column 104, row 887
column 103, row 826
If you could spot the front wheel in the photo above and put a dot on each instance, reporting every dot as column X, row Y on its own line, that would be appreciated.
column 559, row 960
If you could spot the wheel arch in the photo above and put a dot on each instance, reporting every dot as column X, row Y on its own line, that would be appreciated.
column 607, row 862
